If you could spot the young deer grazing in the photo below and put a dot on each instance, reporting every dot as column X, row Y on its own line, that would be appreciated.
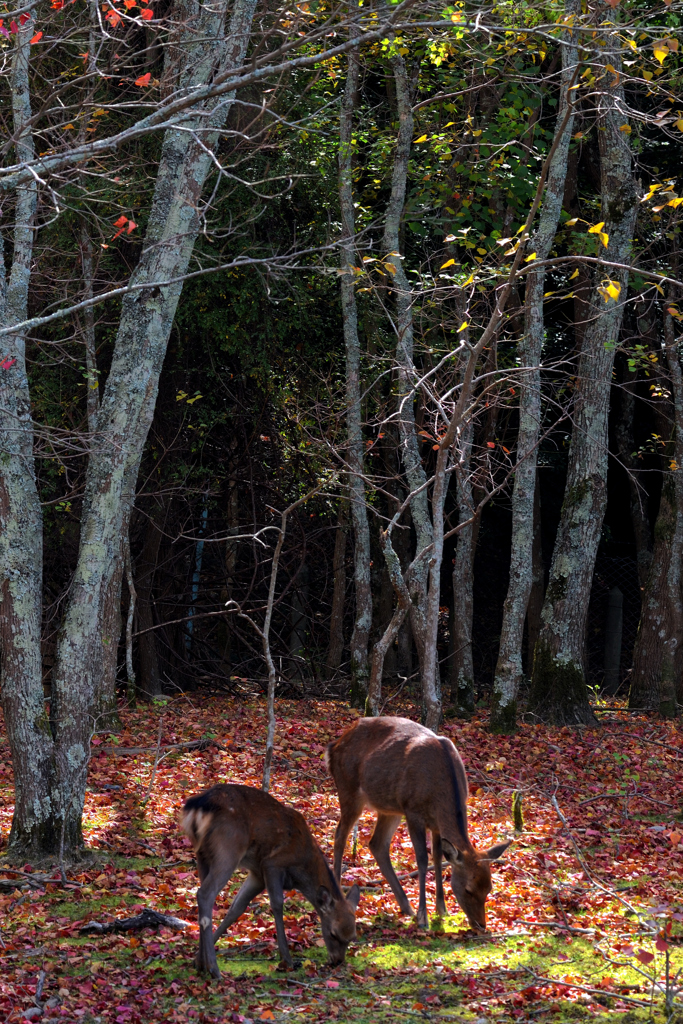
column 397, row 767
column 240, row 827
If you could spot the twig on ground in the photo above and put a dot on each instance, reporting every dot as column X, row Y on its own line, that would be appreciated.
column 147, row 919
column 558, row 925
column 610, row 892
column 605, row 993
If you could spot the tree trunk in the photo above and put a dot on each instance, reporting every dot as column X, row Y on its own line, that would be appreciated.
column 509, row 666
column 362, row 625
column 558, row 690
column 123, row 423
column 410, row 449
column 35, row 825
column 535, row 607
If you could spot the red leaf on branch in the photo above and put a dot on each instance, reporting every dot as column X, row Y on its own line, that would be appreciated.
column 143, row 79
column 24, row 18
column 37, row 37
column 6, row 363
column 13, row 27
column 644, row 956
column 147, row 14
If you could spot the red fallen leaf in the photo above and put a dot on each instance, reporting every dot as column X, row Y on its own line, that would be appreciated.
column 644, row 956
column 267, row 1015
column 331, row 984
column 675, row 838
column 143, row 79
column 6, row 363
column 147, row 14
column 36, row 38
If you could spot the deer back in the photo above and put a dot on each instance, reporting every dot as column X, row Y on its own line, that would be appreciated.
column 400, row 767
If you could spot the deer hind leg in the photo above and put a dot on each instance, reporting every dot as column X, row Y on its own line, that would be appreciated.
column 380, row 845
column 351, row 809
column 418, row 836
column 215, row 875
column 437, row 854
column 251, row 887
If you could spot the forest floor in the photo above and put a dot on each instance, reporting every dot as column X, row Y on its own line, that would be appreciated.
column 585, row 914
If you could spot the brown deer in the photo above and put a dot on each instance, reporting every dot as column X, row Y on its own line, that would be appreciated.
column 397, row 767
column 241, row 827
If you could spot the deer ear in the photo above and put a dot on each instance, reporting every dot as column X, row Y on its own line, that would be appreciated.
column 325, row 901
column 353, row 896
column 450, row 852
column 496, row 852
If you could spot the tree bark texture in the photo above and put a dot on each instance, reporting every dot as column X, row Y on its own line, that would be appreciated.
column 409, row 445
column 509, row 666
column 124, row 418
column 21, row 522
column 558, row 691
column 362, row 625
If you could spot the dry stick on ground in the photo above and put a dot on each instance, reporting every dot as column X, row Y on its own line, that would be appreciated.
column 598, row 885
column 582, row 988
column 147, row 919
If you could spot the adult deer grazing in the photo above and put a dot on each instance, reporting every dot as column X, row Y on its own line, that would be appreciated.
column 240, row 827
column 397, row 767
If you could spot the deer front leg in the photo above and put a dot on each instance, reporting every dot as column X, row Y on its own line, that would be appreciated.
column 419, row 839
column 437, row 854
column 277, row 901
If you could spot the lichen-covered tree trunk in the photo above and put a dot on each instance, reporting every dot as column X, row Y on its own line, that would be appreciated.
column 124, row 419
column 360, row 638
column 21, row 521
column 508, row 674
column 558, row 691
column 656, row 677
column 403, row 297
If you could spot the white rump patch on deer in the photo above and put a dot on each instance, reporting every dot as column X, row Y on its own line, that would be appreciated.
column 195, row 825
